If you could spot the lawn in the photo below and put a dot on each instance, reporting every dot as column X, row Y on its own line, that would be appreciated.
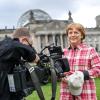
column 97, row 81
column 47, row 91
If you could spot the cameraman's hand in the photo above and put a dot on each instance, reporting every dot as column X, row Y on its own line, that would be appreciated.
column 36, row 59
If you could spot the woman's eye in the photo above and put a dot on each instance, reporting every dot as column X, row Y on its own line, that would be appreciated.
column 70, row 32
column 76, row 32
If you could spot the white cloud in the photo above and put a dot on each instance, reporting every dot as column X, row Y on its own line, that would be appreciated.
column 86, row 15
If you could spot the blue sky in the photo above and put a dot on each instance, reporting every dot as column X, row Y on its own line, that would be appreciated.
column 83, row 11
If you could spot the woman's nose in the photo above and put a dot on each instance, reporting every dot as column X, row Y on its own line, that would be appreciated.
column 73, row 33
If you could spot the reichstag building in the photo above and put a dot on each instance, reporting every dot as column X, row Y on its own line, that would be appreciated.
column 45, row 30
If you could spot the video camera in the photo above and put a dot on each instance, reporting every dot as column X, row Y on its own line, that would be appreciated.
column 61, row 65
column 28, row 78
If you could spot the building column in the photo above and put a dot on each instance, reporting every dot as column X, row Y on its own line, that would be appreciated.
column 61, row 40
column 54, row 39
column 38, row 43
column 46, row 40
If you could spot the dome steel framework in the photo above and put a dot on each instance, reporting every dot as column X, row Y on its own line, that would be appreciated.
column 35, row 14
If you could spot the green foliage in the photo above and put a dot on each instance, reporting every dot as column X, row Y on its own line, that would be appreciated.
column 47, row 91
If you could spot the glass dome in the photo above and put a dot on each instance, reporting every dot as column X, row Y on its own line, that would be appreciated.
column 35, row 14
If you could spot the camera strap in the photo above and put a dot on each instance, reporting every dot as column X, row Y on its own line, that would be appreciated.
column 53, row 80
column 35, row 81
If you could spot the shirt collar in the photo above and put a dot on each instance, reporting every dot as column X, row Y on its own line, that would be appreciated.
column 80, row 46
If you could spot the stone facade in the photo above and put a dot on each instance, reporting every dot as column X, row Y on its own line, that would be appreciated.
column 45, row 30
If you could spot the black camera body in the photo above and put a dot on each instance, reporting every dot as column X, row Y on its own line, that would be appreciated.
column 61, row 65
column 55, row 52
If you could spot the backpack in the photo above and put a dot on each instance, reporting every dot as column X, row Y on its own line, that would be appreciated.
column 5, row 45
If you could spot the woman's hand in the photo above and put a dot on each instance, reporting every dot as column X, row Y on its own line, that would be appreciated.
column 64, row 79
column 68, row 73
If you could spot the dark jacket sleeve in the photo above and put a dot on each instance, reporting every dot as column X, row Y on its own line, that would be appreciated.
column 27, row 53
column 86, row 75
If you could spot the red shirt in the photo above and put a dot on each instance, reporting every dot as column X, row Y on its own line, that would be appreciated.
column 82, row 58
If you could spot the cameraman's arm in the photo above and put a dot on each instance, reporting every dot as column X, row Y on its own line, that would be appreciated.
column 27, row 52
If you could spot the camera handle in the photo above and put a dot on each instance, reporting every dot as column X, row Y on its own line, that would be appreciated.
column 35, row 81
column 53, row 79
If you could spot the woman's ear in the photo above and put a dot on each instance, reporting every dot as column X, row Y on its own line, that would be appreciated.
column 82, row 37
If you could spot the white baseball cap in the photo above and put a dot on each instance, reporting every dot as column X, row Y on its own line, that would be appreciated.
column 75, row 83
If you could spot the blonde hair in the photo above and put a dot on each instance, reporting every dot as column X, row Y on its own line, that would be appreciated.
column 21, row 32
column 78, row 26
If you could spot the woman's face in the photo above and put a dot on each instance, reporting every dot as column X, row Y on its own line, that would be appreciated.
column 74, row 36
